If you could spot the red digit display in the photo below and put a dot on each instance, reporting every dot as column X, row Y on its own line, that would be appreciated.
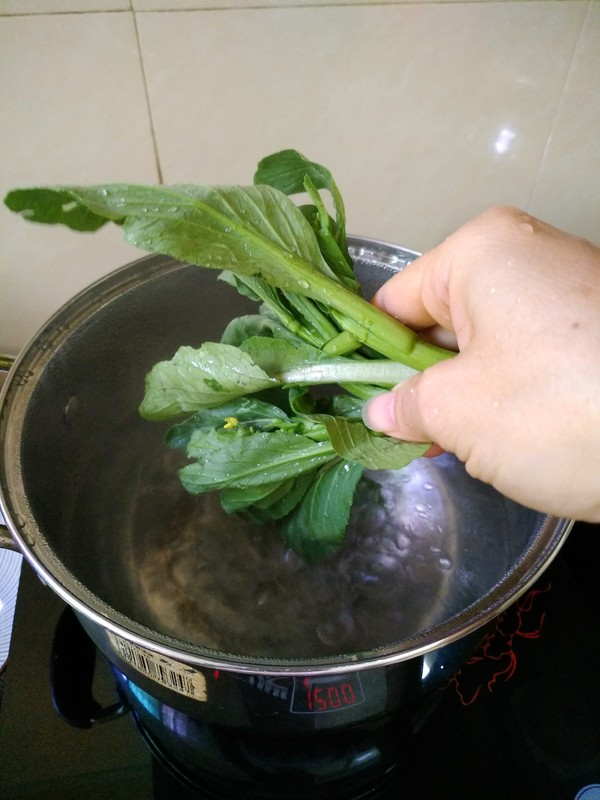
column 334, row 697
column 319, row 695
column 348, row 692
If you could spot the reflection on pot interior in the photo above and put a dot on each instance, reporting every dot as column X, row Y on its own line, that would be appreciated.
column 213, row 579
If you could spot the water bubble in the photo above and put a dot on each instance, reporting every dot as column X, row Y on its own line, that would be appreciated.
column 303, row 284
column 263, row 597
column 445, row 563
column 366, row 577
column 335, row 631
column 385, row 562
column 71, row 409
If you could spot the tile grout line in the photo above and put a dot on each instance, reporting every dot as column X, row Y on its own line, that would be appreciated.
column 159, row 172
column 559, row 105
column 254, row 7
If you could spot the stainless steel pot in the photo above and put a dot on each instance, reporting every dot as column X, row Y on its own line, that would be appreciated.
column 175, row 592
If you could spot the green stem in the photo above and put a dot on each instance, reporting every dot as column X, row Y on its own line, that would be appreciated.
column 364, row 391
column 381, row 373
column 341, row 345
column 364, row 321
column 271, row 297
column 313, row 316
column 384, row 334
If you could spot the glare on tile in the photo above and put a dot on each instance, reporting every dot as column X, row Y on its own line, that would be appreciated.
column 504, row 141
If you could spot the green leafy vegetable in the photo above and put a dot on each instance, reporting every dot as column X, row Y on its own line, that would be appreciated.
column 354, row 442
column 200, row 378
column 241, row 459
column 255, row 431
column 316, row 528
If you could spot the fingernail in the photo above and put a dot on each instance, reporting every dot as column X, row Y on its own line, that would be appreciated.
column 379, row 412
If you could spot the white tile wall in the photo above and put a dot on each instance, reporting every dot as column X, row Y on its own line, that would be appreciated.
column 566, row 190
column 425, row 112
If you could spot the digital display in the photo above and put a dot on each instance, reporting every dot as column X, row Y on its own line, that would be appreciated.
column 322, row 694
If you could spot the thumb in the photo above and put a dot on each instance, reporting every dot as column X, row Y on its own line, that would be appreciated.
column 397, row 412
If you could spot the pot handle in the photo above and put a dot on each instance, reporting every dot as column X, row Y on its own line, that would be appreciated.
column 72, row 667
column 6, row 540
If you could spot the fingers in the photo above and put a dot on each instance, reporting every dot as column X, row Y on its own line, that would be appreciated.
column 420, row 408
column 420, row 294
column 397, row 413
column 447, row 404
column 415, row 295
column 401, row 297
column 433, row 289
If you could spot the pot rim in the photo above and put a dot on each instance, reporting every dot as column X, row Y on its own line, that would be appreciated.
column 530, row 567
column 544, row 546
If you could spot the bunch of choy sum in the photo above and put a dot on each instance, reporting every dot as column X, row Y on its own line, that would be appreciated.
column 284, row 455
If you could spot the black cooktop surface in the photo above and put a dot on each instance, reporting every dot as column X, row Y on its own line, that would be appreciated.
column 521, row 719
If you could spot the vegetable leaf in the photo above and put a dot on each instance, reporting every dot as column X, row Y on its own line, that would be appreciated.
column 331, row 236
column 352, row 440
column 293, row 173
column 54, row 206
column 247, row 411
column 255, row 230
column 317, row 526
column 287, row 502
column 235, row 458
column 200, row 378
column 288, row 170
column 242, row 328
column 233, row 501
column 277, row 356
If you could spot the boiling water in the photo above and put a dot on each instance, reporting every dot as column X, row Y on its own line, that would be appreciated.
column 212, row 579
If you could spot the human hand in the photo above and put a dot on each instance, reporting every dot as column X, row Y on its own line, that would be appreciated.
column 520, row 403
